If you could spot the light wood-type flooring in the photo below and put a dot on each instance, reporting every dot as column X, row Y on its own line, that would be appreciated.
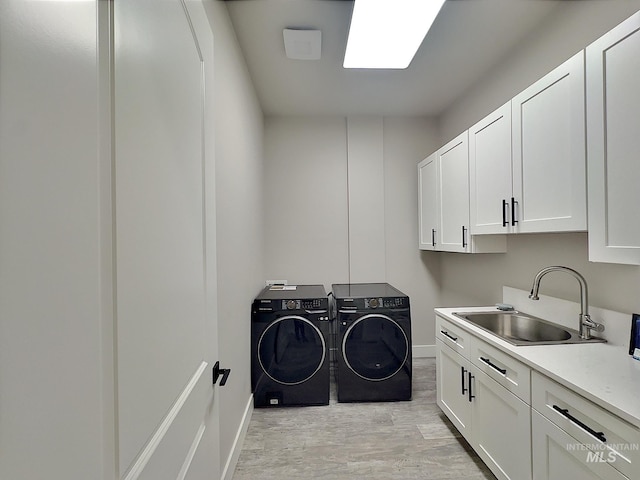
column 369, row 441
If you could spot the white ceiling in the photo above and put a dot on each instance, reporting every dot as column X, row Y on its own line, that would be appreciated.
column 468, row 38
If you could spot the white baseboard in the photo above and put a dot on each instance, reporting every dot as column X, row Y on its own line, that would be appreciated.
column 232, row 460
column 423, row 351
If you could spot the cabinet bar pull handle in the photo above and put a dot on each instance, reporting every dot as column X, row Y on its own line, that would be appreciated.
column 448, row 335
column 565, row 413
column 513, row 211
column 433, row 237
column 505, row 222
column 493, row 365
column 462, row 372
column 464, row 237
column 471, row 395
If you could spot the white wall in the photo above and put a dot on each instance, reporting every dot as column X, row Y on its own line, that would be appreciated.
column 305, row 202
column 365, row 187
column 311, row 236
column 239, row 193
column 54, row 267
column 477, row 279
column 415, row 272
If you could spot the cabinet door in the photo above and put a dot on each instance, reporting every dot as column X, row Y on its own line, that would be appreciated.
column 452, row 372
column 453, row 187
column 613, row 103
column 501, row 431
column 557, row 455
column 490, row 172
column 549, row 165
column 428, row 202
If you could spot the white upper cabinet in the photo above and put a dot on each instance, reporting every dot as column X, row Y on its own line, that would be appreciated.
column 549, row 165
column 453, row 185
column 490, row 172
column 428, row 199
column 527, row 159
column 443, row 204
column 613, row 145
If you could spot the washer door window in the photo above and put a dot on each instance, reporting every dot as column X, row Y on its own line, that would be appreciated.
column 291, row 350
column 375, row 347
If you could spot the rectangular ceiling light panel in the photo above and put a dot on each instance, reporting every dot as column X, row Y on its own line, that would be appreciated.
column 387, row 33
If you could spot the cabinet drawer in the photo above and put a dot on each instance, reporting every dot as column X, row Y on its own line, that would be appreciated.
column 616, row 441
column 504, row 369
column 557, row 455
column 453, row 336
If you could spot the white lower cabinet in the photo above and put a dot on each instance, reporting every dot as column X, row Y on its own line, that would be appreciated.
column 595, row 435
column 523, row 424
column 559, row 456
column 453, row 386
column 492, row 419
column 500, row 428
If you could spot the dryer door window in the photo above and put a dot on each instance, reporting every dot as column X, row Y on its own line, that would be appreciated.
column 375, row 347
column 291, row 350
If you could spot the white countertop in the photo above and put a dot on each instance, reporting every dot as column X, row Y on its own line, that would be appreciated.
column 602, row 372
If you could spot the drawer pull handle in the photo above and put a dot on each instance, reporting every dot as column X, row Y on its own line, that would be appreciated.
column 462, row 372
column 448, row 335
column 493, row 365
column 565, row 413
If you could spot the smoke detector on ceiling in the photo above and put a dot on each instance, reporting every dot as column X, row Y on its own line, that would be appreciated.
column 302, row 44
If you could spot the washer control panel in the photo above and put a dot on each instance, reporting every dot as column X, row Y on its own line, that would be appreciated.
column 395, row 302
column 304, row 304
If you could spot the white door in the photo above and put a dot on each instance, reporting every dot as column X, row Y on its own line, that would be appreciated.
column 490, row 173
column 549, row 164
column 453, row 188
column 428, row 202
column 613, row 143
column 166, row 319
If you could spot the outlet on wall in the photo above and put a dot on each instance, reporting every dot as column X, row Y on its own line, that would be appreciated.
column 269, row 283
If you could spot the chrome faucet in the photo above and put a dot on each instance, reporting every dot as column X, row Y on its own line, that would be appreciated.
column 586, row 324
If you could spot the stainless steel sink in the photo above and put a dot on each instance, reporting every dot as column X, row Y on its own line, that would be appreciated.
column 519, row 328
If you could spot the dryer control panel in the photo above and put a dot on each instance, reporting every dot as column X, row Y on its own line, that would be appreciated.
column 386, row 302
column 372, row 303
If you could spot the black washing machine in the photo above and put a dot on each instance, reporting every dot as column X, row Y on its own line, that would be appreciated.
column 373, row 340
column 290, row 346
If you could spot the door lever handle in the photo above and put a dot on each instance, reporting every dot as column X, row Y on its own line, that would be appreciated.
column 217, row 371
